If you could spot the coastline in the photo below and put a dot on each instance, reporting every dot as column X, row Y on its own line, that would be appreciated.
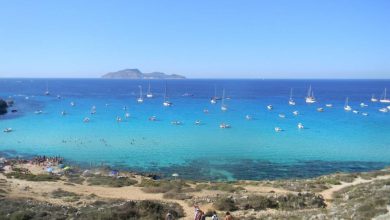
column 77, row 188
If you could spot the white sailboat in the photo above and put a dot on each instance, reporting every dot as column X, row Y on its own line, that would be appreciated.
column 47, row 89
column 384, row 98
column 166, row 102
column 310, row 96
column 373, row 99
column 223, row 106
column 149, row 94
column 140, row 98
column 291, row 100
column 346, row 106
column 214, row 99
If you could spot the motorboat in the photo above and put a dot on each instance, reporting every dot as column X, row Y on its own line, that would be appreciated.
column 320, row 109
column 282, row 116
column 224, row 125
column 278, row 129
column 7, row 130
column 329, row 105
column 300, row 126
column 295, row 113
column 86, row 120
column 270, row 107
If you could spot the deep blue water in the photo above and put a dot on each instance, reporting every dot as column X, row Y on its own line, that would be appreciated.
column 333, row 140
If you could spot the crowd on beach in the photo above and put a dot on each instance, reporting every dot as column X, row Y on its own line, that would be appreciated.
column 44, row 160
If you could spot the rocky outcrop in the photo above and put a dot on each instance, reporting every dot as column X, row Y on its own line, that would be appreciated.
column 137, row 74
column 3, row 107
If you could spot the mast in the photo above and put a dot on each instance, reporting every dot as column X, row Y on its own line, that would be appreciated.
column 223, row 97
column 291, row 92
column 346, row 102
column 165, row 92
column 309, row 91
column 149, row 88
column 215, row 91
column 140, row 91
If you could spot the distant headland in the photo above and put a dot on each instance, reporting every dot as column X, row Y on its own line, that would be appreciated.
column 137, row 74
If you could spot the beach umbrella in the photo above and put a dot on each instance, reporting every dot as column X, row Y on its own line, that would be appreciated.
column 175, row 175
column 67, row 168
column 49, row 170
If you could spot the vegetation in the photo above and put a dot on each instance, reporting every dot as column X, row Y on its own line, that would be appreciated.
column 111, row 181
column 32, row 177
column 32, row 209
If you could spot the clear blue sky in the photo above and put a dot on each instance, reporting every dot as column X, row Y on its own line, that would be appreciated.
column 200, row 39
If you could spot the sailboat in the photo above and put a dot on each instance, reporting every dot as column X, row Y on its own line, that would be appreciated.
column 223, row 106
column 373, row 99
column 149, row 94
column 47, row 89
column 213, row 99
column 166, row 102
column 291, row 100
column 140, row 98
column 346, row 106
column 384, row 98
column 310, row 96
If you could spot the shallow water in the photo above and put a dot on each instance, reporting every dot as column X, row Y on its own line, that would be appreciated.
column 333, row 140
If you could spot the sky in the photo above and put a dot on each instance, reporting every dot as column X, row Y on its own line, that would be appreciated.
column 198, row 39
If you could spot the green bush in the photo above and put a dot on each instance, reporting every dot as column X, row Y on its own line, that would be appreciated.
column 111, row 181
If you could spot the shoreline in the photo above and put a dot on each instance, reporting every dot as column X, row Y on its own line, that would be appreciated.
column 277, row 198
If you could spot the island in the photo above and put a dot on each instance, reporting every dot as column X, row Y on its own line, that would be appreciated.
column 3, row 107
column 137, row 74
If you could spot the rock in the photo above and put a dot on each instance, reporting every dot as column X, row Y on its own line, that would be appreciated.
column 3, row 107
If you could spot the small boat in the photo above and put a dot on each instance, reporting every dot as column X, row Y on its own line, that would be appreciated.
column 187, row 95
column 197, row 122
column 72, row 104
column 320, row 109
column 93, row 110
column 118, row 119
column 346, row 106
column 384, row 98
column 355, row 112
column 388, row 107
column 329, row 105
column 300, row 126
column 63, row 113
column 363, row 105
column 149, row 94
column 127, row 115
column 278, row 129
column 282, row 116
column 224, row 125
column 7, row 130
column 384, row 110
column 14, row 110
column 152, row 118
column 38, row 112
column 206, row 111
column 248, row 117
column 140, row 98
column 365, row 114
column 223, row 106
column 270, row 107
column 166, row 102
column 373, row 99
column 310, row 99
column 86, row 120
column 27, row 98
column 176, row 122
column 213, row 101
column 295, row 113
column 47, row 89
column 291, row 100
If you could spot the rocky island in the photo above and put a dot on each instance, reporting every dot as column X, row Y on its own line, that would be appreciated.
column 3, row 107
column 137, row 74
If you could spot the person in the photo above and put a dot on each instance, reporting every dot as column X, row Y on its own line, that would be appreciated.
column 198, row 213
column 228, row 216
column 169, row 216
column 214, row 216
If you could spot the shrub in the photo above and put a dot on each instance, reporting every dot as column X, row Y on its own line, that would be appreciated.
column 111, row 181
column 225, row 204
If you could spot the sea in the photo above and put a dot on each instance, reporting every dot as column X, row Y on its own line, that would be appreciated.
column 333, row 140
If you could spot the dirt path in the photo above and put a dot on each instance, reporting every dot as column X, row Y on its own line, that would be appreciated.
column 329, row 193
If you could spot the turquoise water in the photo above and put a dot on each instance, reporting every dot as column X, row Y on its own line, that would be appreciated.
column 333, row 140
